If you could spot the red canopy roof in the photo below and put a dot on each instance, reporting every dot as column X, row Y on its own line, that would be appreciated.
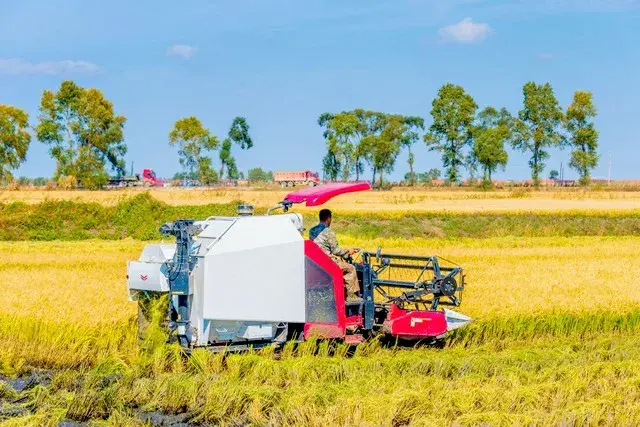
column 315, row 196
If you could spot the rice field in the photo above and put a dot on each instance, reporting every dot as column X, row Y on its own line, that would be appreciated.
column 554, row 342
column 398, row 199
column 555, row 338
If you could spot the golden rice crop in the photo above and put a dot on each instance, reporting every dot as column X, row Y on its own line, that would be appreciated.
column 513, row 200
column 63, row 286
column 546, row 348
column 84, row 282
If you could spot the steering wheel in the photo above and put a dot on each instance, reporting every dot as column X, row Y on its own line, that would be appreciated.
column 349, row 258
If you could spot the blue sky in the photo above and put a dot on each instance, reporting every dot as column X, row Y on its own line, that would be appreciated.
column 281, row 63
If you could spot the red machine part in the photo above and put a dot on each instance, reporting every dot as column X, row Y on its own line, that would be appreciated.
column 315, row 258
column 416, row 324
column 324, row 274
column 316, row 196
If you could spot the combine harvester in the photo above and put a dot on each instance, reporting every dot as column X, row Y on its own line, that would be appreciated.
column 254, row 281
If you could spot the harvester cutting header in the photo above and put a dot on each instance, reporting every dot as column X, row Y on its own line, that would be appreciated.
column 236, row 282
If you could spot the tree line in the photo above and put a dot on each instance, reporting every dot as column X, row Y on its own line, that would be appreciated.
column 85, row 136
column 86, row 139
column 466, row 137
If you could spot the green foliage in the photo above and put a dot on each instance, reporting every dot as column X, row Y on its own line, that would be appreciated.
column 193, row 141
column 433, row 174
column 259, row 175
column 411, row 136
column 583, row 135
column 185, row 175
column 491, row 133
column 453, row 112
column 343, row 132
column 554, row 174
column 226, row 159
column 536, row 129
column 24, row 181
column 14, row 140
column 425, row 177
column 239, row 134
column 358, row 136
column 83, row 133
column 40, row 181
column 141, row 216
column 382, row 144
column 330, row 166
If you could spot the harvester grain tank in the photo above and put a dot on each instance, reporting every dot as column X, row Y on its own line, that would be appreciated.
column 249, row 280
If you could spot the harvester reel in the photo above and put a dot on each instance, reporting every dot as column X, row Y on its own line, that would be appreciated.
column 446, row 286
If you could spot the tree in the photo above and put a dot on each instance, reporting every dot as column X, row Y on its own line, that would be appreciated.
column 342, row 132
column 583, row 135
column 259, row 175
column 193, row 140
column 238, row 134
column 14, row 140
column 330, row 166
column 494, row 128
column 40, row 181
column 179, row 176
column 411, row 135
column 82, row 132
column 433, row 174
column 226, row 159
column 554, row 174
column 382, row 145
column 453, row 112
column 536, row 129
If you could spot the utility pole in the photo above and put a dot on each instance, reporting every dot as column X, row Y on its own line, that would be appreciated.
column 609, row 176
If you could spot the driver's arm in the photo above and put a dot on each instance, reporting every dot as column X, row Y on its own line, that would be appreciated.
column 334, row 246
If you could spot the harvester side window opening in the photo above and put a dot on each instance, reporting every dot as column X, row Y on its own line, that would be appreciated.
column 321, row 304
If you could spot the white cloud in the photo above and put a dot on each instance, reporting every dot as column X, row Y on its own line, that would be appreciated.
column 465, row 31
column 19, row 66
column 182, row 50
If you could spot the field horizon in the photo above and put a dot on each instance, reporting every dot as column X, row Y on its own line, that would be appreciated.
column 420, row 199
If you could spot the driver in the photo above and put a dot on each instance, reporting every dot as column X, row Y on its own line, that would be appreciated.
column 326, row 239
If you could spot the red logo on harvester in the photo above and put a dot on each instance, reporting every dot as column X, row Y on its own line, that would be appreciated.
column 144, row 277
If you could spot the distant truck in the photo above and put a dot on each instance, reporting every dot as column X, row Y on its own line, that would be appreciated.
column 291, row 179
column 148, row 179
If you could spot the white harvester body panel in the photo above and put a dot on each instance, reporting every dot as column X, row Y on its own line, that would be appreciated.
column 248, row 276
column 145, row 274
column 254, row 271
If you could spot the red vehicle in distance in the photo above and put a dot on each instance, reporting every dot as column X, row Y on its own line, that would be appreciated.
column 148, row 178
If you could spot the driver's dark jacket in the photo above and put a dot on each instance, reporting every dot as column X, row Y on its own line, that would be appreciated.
column 316, row 230
column 328, row 242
